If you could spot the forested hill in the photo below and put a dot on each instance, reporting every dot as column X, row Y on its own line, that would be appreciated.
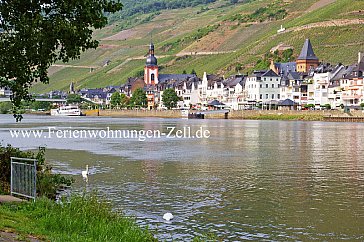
column 133, row 7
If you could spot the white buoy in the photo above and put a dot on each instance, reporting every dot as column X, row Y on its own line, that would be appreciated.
column 167, row 216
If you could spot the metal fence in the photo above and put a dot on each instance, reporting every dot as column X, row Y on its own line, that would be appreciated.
column 23, row 177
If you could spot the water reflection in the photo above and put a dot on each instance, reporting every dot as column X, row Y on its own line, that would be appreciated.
column 260, row 180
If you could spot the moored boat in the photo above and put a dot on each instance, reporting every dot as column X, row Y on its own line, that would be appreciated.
column 69, row 110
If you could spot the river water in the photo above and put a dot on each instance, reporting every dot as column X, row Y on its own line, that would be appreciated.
column 251, row 180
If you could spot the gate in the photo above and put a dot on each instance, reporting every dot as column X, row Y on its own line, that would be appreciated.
column 23, row 177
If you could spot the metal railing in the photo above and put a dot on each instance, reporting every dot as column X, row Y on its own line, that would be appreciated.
column 23, row 177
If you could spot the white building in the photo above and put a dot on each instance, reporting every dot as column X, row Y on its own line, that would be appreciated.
column 5, row 92
column 263, row 86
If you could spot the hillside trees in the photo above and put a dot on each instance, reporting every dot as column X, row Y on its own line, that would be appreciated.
column 36, row 34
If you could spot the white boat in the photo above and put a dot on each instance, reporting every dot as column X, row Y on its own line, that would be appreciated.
column 69, row 110
column 184, row 113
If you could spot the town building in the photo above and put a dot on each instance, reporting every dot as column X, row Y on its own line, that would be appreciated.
column 307, row 60
column 263, row 86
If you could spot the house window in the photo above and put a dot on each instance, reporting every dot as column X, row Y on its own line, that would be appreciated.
column 279, row 85
column 266, row 96
column 271, row 79
column 272, row 85
column 152, row 77
column 266, row 85
column 261, row 96
column 272, row 96
column 261, row 85
column 278, row 96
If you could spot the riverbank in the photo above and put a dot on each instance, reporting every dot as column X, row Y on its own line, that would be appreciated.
column 85, row 218
column 306, row 115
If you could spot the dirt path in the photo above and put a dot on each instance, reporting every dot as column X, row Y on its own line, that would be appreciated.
column 14, row 237
column 320, row 4
column 84, row 67
column 330, row 23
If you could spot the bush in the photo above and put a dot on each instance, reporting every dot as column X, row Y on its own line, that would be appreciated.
column 5, row 107
column 47, row 183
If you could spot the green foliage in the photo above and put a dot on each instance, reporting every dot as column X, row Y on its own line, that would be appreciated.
column 181, row 42
column 193, row 72
column 132, row 7
column 309, row 106
column 273, row 11
column 327, row 106
column 47, row 183
column 115, row 99
column 139, row 98
column 262, row 64
column 170, row 98
column 362, row 105
column 124, row 100
column 36, row 34
column 285, row 56
column 139, row 73
column 83, row 218
column 38, row 105
column 74, row 98
column 5, row 107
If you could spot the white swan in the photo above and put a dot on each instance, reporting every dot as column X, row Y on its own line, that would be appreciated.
column 85, row 173
column 167, row 216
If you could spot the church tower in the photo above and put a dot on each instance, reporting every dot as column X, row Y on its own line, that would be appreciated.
column 151, row 68
column 307, row 59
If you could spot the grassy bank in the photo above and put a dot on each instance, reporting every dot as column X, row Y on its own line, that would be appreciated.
column 293, row 117
column 83, row 219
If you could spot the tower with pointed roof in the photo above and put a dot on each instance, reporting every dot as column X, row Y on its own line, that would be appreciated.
column 307, row 60
column 151, row 68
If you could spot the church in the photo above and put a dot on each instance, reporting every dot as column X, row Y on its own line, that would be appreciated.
column 156, row 83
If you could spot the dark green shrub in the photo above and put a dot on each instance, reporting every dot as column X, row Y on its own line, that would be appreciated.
column 47, row 182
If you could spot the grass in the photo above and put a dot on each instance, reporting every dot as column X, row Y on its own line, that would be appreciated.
column 83, row 219
column 293, row 117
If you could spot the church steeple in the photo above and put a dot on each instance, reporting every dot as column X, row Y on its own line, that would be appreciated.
column 307, row 59
column 151, row 67
column 151, row 60
column 151, row 48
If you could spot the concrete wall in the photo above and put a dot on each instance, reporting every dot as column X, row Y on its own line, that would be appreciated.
column 241, row 114
column 141, row 113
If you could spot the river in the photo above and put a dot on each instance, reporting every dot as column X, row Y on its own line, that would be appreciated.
column 250, row 180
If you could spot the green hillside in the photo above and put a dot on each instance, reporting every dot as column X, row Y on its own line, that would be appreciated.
column 216, row 37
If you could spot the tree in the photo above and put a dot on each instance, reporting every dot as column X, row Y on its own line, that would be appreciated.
column 170, row 98
column 124, row 100
column 139, row 98
column 74, row 98
column 193, row 72
column 36, row 34
column 115, row 99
